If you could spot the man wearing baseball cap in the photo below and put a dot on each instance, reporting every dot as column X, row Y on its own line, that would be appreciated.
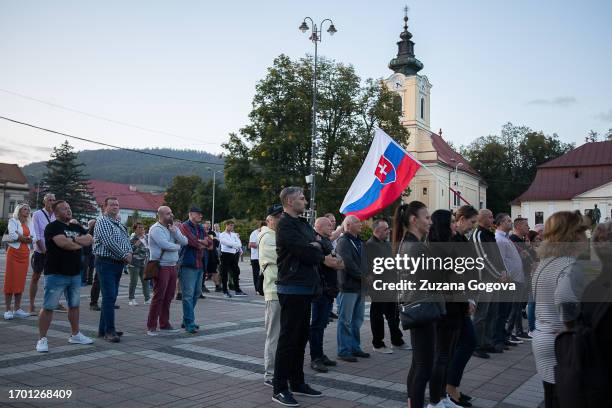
column 192, row 266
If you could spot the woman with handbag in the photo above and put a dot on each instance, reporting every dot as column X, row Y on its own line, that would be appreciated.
column 20, row 238
column 411, row 225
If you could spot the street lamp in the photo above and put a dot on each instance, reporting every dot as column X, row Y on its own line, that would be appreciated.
column 212, row 217
column 315, row 37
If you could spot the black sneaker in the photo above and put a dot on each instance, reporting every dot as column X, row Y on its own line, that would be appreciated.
column 333, row 316
column 350, row 359
column 202, row 296
column 94, row 307
column 328, row 362
column 524, row 336
column 318, row 365
column 306, row 391
column 227, row 295
column 205, row 289
column 464, row 397
column 515, row 339
column 269, row 383
column 480, row 354
column 240, row 293
column 361, row 354
column 285, row 398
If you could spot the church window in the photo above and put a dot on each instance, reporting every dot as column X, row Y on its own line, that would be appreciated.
column 422, row 108
column 424, row 191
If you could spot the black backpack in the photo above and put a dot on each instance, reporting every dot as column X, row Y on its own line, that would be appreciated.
column 581, row 376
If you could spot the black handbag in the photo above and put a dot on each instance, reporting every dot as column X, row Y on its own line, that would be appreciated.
column 421, row 312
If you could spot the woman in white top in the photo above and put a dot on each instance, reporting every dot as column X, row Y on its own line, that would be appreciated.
column 21, row 235
column 557, row 285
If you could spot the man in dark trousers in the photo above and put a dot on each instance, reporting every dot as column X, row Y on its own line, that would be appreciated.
column 378, row 246
column 487, row 303
column 299, row 255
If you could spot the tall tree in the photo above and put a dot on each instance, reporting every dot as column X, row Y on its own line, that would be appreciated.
column 66, row 179
column 179, row 196
column 509, row 162
column 203, row 197
column 274, row 149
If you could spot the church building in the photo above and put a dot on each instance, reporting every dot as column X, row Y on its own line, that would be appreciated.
column 454, row 182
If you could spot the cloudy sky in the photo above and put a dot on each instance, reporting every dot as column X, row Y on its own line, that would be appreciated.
column 186, row 70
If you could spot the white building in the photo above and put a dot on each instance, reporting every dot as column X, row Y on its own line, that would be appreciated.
column 578, row 180
column 14, row 189
column 454, row 182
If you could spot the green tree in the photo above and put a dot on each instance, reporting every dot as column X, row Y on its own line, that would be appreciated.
column 203, row 195
column 66, row 179
column 179, row 196
column 274, row 150
column 508, row 162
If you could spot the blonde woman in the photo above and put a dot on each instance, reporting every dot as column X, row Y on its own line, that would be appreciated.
column 557, row 285
column 21, row 235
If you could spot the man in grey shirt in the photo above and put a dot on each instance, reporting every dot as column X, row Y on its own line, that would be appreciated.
column 165, row 242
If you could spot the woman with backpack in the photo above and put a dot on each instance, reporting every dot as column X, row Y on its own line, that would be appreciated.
column 556, row 286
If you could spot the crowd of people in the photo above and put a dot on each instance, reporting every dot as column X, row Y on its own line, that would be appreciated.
column 303, row 271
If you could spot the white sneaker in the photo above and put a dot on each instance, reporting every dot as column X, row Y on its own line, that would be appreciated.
column 147, row 302
column 133, row 302
column 152, row 333
column 438, row 405
column 383, row 350
column 9, row 315
column 404, row 346
column 21, row 314
column 79, row 338
column 42, row 346
column 447, row 403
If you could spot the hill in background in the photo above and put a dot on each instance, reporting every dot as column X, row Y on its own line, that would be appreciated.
column 126, row 167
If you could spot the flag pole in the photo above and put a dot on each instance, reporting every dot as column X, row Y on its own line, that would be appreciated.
column 440, row 179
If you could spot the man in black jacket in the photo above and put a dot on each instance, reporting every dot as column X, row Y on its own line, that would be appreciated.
column 486, row 306
column 322, row 305
column 378, row 246
column 351, row 300
column 299, row 255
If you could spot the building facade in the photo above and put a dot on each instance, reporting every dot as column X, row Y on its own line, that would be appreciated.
column 576, row 181
column 14, row 189
column 130, row 199
column 448, row 181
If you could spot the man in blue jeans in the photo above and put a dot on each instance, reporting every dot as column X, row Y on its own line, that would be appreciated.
column 113, row 251
column 192, row 266
column 351, row 302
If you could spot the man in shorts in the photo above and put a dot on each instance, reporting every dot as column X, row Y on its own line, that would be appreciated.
column 64, row 241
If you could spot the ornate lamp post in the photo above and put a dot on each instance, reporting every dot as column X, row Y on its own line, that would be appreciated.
column 315, row 37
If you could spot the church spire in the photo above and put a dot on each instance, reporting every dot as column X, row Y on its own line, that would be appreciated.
column 405, row 62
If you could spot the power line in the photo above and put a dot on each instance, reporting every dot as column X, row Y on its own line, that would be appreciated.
column 117, row 122
column 110, row 145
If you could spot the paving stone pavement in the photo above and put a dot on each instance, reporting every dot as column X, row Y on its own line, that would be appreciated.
column 222, row 366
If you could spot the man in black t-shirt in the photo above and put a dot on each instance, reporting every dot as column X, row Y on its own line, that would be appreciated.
column 64, row 242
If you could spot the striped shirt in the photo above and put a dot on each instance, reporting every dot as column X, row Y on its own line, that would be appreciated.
column 111, row 239
column 556, row 294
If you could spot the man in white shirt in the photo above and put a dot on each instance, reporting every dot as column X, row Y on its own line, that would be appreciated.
column 254, row 247
column 230, row 247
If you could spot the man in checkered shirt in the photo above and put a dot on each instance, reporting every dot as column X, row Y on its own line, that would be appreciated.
column 113, row 251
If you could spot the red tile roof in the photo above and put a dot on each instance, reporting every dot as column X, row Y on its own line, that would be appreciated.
column 448, row 156
column 578, row 171
column 11, row 173
column 589, row 154
column 126, row 194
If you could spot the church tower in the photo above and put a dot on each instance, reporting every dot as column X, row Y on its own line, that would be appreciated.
column 448, row 180
column 413, row 89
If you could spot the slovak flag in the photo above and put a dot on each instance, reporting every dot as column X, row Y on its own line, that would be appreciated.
column 384, row 175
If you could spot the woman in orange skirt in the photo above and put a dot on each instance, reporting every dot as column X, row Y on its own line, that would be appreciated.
column 21, row 236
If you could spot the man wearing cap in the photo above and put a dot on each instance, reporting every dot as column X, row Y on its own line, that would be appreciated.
column 192, row 266
column 266, row 241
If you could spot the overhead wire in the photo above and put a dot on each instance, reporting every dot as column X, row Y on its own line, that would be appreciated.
column 99, row 117
column 109, row 145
